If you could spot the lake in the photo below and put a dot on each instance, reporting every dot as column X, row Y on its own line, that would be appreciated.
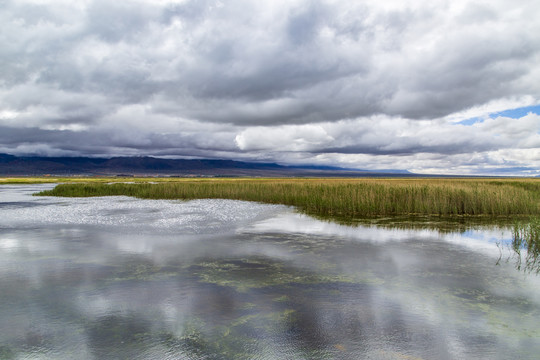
column 122, row 278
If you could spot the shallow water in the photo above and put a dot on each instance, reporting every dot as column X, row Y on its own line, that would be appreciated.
column 120, row 278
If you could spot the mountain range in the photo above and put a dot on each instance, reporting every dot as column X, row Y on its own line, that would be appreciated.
column 11, row 165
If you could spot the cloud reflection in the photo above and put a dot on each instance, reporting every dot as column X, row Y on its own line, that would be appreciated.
column 273, row 284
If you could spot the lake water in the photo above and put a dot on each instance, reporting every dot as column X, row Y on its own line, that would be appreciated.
column 121, row 278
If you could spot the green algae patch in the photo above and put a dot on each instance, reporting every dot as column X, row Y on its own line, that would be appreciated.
column 6, row 353
column 142, row 271
column 196, row 341
column 245, row 274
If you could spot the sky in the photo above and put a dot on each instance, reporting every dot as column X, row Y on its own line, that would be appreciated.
column 433, row 87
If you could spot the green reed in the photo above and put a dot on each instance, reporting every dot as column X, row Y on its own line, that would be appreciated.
column 526, row 236
column 343, row 198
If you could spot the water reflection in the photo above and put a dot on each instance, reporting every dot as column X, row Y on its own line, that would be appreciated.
column 125, row 278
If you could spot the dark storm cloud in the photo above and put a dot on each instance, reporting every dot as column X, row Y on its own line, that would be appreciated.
column 102, row 142
column 201, row 77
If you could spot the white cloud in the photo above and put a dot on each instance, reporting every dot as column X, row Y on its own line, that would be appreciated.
column 284, row 138
column 395, row 143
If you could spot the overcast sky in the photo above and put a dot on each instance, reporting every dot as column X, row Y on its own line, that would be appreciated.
column 450, row 87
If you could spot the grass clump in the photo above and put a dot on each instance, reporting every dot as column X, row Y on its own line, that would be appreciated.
column 526, row 236
column 343, row 198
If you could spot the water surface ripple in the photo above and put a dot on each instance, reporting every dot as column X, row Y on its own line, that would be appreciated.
column 122, row 278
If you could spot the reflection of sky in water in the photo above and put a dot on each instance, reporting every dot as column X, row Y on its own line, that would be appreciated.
column 484, row 239
column 145, row 279
column 198, row 216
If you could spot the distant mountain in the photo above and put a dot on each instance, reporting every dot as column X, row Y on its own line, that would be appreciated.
column 149, row 166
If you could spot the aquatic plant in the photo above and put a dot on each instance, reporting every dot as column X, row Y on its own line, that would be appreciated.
column 343, row 198
column 6, row 353
column 417, row 203
column 526, row 236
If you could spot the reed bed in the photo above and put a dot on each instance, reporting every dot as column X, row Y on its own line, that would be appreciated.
column 343, row 198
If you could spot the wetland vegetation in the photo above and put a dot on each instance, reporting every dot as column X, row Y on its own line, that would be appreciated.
column 343, row 198
column 526, row 236
column 397, row 203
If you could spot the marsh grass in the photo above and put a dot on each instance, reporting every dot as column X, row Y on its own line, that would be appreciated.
column 343, row 198
column 443, row 204
column 526, row 236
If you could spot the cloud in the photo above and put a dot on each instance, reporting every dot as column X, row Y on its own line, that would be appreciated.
column 440, row 146
column 285, row 138
column 282, row 80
